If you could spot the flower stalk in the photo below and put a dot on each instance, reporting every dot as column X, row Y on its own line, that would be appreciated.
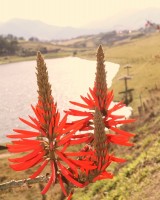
column 100, row 84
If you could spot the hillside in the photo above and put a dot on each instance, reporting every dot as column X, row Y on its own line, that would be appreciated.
column 35, row 28
column 143, row 54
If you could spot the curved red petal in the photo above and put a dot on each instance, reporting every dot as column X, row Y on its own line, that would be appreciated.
column 26, row 157
column 29, row 123
column 28, row 164
column 40, row 169
column 46, row 188
column 62, row 185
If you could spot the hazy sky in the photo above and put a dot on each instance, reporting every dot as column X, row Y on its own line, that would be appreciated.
column 74, row 13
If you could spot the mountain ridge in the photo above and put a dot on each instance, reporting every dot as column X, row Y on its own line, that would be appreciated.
column 44, row 31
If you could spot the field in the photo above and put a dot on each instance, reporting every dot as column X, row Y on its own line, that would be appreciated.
column 139, row 177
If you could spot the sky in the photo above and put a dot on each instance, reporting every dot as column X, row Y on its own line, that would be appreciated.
column 75, row 13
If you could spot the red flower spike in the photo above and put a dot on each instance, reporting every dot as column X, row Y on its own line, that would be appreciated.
column 44, row 149
column 50, row 142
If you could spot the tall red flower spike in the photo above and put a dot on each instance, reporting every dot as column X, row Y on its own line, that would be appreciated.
column 98, row 115
column 48, row 143
column 99, row 97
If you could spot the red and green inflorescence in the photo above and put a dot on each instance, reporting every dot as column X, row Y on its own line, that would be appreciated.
column 49, row 141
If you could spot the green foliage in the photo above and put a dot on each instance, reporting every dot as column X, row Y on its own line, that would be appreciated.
column 8, row 45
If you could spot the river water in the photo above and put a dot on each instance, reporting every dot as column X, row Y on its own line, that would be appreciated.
column 70, row 77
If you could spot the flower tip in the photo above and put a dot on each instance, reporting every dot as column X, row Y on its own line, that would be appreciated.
column 38, row 53
column 100, row 49
column 39, row 56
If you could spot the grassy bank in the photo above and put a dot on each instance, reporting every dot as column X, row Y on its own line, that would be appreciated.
column 12, row 59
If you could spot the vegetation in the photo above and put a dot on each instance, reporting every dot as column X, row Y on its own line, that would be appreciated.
column 13, row 49
column 8, row 45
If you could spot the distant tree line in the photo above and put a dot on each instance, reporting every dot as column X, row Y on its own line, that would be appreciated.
column 11, row 45
column 8, row 45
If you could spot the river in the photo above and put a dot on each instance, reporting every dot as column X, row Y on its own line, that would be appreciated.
column 70, row 77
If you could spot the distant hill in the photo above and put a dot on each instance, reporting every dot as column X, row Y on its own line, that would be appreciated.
column 35, row 28
column 128, row 20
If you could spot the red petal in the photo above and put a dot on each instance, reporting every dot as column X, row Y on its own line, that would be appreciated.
column 62, row 185
column 115, row 159
column 51, row 128
column 104, row 175
column 84, row 164
column 71, row 165
column 95, row 98
column 88, row 102
column 75, row 127
column 21, row 136
column 121, row 132
column 78, row 113
column 79, row 153
column 79, row 104
column 63, row 122
column 105, row 165
column 26, row 157
column 65, row 173
column 28, row 164
column 109, row 99
column 35, row 121
column 41, row 119
column 29, row 123
column 46, row 188
column 31, row 133
column 27, row 142
column 118, row 140
column 116, row 107
column 53, row 171
column 40, row 169
column 21, row 148
column 57, row 118
column 70, row 196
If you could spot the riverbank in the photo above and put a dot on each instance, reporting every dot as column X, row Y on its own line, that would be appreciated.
column 14, row 59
